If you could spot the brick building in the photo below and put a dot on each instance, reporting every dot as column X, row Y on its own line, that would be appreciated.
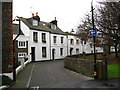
column 6, row 36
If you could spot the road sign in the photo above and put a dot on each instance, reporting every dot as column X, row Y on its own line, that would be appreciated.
column 93, row 32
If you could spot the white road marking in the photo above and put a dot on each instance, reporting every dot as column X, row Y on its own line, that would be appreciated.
column 30, row 76
column 35, row 87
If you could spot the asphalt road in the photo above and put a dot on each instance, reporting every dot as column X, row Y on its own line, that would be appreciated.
column 52, row 74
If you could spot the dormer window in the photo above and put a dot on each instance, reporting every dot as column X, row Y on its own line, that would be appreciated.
column 35, row 22
column 53, row 26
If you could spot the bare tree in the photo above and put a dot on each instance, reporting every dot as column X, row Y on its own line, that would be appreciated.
column 107, row 21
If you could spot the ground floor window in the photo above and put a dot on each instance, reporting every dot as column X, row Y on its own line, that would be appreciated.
column 77, row 51
column 71, row 51
column 22, row 54
column 44, row 54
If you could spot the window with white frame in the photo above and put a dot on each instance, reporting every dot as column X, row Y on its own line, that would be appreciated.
column 71, row 41
column 54, row 39
column 44, row 53
column 35, row 22
column 62, row 40
column 53, row 26
column 22, row 54
column 44, row 37
column 77, row 42
column 35, row 36
column 21, row 44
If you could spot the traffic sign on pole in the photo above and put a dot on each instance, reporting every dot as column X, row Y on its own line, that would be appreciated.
column 93, row 32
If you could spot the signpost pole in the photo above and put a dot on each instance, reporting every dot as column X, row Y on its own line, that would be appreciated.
column 95, row 68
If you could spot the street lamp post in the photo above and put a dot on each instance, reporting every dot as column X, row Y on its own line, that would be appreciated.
column 95, row 68
column 14, row 44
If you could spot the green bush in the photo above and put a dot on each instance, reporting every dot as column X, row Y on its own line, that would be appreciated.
column 6, row 80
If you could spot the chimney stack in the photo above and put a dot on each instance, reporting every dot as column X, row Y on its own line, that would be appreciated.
column 36, row 13
column 54, row 21
column 32, row 14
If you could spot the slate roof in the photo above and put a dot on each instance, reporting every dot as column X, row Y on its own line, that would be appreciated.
column 43, row 26
column 16, row 29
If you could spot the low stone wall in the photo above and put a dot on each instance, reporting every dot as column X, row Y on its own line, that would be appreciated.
column 82, row 66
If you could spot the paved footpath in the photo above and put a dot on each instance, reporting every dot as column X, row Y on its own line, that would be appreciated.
column 52, row 74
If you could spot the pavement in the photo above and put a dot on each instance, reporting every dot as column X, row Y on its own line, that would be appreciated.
column 52, row 74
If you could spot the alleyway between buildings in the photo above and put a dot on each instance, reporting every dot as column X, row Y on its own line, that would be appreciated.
column 52, row 74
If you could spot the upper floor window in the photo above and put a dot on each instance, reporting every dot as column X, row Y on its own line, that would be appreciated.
column 71, row 41
column 44, row 54
column 54, row 39
column 35, row 22
column 44, row 37
column 61, row 39
column 22, row 44
column 77, row 42
column 35, row 36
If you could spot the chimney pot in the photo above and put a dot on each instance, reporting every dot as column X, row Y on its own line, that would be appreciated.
column 32, row 14
column 36, row 13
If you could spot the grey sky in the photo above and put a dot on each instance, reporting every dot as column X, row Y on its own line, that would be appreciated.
column 67, row 12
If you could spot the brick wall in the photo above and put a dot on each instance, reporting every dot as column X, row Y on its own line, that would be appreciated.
column 0, row 42
column 7, row 37
column 18, row 50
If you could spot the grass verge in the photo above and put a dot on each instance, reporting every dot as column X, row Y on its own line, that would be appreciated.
column 113, row 70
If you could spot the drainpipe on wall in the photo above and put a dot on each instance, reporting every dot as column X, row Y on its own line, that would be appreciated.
column 14, row 43
column 50, row 45
column 67, row 45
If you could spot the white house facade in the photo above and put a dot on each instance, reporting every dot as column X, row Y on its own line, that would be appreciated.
column 58, row 46
column 46, row 41
column 74, row 45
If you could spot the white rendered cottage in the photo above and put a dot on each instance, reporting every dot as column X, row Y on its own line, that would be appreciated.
column 46, row 40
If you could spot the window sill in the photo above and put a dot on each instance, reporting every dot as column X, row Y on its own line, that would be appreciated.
column 35, row 41
column 44, row 42
column 55, row 43
column 44, row 57
column 21, row 47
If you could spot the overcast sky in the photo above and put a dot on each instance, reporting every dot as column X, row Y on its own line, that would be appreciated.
column 67, row 12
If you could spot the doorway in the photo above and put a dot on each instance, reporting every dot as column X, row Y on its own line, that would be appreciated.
column 53, row 54
column 71, row 50
column 33, row 54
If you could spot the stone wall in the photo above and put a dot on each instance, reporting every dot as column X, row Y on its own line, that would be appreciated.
column 82, row 66
column 85, row 67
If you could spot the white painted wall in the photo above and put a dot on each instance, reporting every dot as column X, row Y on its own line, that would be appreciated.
column 25, row 29
column 59, row 45
column 38, row 45
column 74, row 45
column 88, row 49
